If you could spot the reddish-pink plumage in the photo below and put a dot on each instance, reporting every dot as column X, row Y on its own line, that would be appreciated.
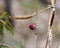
column 32, row 26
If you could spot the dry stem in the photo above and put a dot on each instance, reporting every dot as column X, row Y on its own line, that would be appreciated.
column 30, row 15
column 52, row 15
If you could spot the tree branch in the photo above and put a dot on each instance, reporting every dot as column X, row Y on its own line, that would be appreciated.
column 52, row 15
column 31, row 15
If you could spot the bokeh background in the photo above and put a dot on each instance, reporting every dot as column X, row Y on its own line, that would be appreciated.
column 22, row 32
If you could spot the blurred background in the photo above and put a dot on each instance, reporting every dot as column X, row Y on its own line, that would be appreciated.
column 22, row 32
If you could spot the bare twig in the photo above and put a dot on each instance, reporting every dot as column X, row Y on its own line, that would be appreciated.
column 53, row 2
column 52, row 17
column 30, row 15
column 25, row 16
column 46, row 42
column 49, row 37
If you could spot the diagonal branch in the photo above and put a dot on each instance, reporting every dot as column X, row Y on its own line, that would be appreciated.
column 52, row 15
column 31, row 15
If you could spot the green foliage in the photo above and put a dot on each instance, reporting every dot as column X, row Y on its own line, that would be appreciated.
column 1, row 27
column 5, row 21
column 3, row 46
column 1, row 30
column 8, row 22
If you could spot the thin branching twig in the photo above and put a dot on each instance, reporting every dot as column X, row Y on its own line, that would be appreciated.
column 31, row 15
column 52, row 15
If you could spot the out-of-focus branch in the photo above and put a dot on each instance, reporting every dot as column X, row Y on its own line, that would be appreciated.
column 49, row 36
column 31, row 15
column 53, row 2
column 24, row 16
column 52, row 15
